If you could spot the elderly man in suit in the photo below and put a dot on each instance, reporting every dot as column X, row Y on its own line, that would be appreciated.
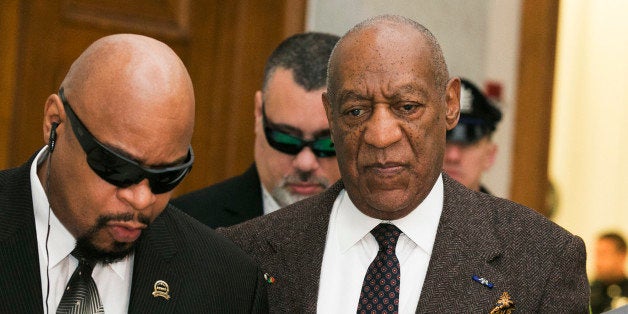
column 85, row 223
column 395, row 234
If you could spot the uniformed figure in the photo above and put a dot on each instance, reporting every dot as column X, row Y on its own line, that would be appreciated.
column 470, row 150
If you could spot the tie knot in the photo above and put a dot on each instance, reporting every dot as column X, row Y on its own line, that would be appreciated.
column 386, row 235
column 86, row 265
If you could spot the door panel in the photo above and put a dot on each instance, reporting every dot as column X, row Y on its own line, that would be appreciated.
column 224, row 44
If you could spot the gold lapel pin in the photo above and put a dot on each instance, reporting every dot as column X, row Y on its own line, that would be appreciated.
column 505, row 305
column 161, row 289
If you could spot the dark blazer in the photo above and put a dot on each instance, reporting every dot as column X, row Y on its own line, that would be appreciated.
column 538, row 263
column 226, row 203
column 205, row 272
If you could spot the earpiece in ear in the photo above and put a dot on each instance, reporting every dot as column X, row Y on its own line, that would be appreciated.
column 53, row 137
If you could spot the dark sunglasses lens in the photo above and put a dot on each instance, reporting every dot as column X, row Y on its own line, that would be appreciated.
column 165, row 182
column 113, row 169
column 121, row 173
column 289, row 144
column 283, row 142
column 324, row 147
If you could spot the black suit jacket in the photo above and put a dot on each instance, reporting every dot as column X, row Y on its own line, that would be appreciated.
column 205, row 272
column 538, row 263
column 226, row 203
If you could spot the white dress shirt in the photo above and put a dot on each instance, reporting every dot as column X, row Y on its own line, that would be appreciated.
column 350, row 248
column 56, row 265
column 269, row 203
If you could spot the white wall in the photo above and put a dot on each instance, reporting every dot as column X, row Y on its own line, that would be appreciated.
column 479, row 39
column 589, row 144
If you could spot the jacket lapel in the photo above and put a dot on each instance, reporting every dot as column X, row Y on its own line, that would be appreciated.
column 156, row 282
column 466, row 255
column 298, row 251
column 246, row 202
column 465, row 247
column 20, row 287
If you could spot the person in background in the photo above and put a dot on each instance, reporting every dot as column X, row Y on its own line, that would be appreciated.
column 470, row 150
column 85, row 225
column 294, row 155
column 395, row 234
column 609, row 289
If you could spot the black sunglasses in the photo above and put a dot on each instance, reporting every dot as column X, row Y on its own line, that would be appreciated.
column 119, row 170
column 289, row 144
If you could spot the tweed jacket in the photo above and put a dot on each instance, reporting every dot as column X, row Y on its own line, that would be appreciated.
column 226, row 203
column 540, row 265
column 204, row 271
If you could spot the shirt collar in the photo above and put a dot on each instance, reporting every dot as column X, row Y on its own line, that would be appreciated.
column 269, row 203
column 57, row 241
column 419, row 226
column 52, row 236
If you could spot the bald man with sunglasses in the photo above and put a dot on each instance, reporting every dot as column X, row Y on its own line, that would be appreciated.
column 294, row 155
column 94, row 200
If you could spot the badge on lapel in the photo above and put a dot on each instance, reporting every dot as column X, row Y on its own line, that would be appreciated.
column 505, row 305
column 483, row 281
column 268, row 278
column 161, row 289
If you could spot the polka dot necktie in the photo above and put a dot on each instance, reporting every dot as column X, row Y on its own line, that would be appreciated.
column 81, row 295
column 380, row 289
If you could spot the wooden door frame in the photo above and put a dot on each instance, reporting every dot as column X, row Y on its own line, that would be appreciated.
column 539, row 26
column 9, row 24
column 231, row 41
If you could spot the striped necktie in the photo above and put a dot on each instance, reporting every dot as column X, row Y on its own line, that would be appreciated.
column 81, row 294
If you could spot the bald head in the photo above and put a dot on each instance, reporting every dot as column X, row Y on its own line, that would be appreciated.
column 122, row 131
column 132, row 85
column 389, row 105
column 380, row 30
column 117, row 60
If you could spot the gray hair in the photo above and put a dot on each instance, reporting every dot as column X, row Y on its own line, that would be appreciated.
column 439, row 66
column 306, row 54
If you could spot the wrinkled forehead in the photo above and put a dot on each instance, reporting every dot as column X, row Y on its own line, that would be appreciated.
column 392, row 66
column 378, row 50
column 378, row 46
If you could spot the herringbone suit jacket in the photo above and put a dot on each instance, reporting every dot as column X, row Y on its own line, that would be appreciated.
column 539, row 264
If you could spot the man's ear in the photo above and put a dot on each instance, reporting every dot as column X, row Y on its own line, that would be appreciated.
column 491, row 153
column 452, row 99
column 53, row 113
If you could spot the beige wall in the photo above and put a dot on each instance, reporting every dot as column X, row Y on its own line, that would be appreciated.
column 589, row 145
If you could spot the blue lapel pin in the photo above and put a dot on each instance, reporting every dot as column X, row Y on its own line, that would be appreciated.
column 483, row 281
